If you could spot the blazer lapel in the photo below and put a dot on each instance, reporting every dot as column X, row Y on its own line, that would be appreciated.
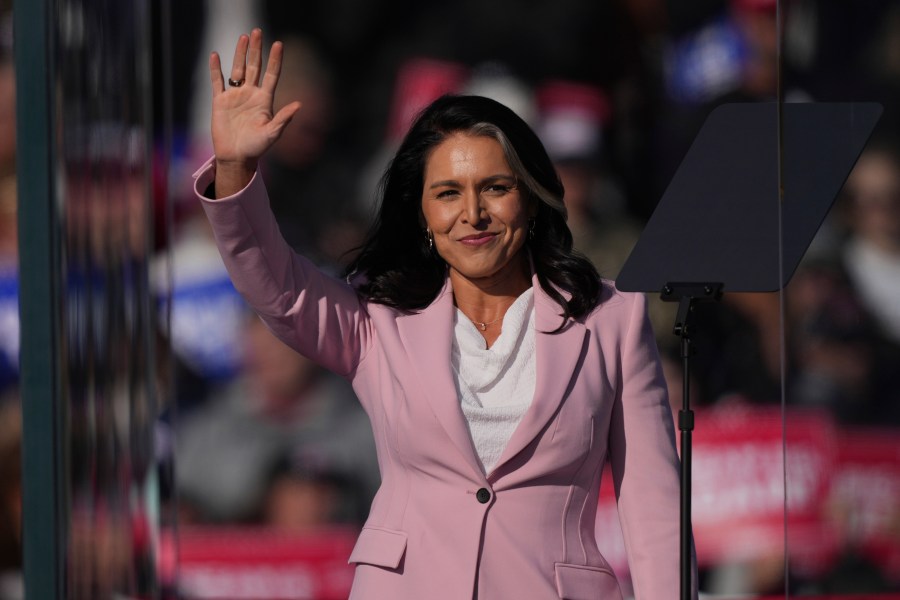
column 427, row 336
column 556, row 357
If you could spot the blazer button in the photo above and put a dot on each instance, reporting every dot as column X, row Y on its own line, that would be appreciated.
column 483, row 495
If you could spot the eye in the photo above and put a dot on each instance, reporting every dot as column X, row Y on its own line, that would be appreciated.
column 497, row 190
column 446, row 194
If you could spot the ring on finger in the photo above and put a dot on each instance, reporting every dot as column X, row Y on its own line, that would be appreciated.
column 234, row 83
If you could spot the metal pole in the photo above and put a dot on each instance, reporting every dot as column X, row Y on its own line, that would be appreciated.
column 686, row 425
column 39, row 312
column 683, row 329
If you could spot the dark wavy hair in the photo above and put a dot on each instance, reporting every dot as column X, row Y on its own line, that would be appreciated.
column 395, row 264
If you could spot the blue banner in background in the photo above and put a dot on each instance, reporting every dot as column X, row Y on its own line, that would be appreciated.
column 9, row 328
column 206, row 322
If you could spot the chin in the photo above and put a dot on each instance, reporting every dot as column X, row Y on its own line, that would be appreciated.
column 481, row 271
column 473, row 273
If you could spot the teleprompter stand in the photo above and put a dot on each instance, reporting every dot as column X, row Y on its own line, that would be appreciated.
column 687, row 295
column 735, row 220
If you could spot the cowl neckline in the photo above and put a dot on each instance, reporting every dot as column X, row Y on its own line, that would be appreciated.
column 481, row 368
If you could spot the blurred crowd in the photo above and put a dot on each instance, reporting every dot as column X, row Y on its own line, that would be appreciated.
column 617, row 90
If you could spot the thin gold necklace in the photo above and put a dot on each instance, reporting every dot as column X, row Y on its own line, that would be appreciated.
column 484, row 326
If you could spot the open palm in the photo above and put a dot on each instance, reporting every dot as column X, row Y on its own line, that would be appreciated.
column 243, row 124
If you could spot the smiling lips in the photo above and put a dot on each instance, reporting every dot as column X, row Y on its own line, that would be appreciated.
column 478, row 239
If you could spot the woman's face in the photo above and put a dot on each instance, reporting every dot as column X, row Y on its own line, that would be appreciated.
column 474, row 209
column 874, row 186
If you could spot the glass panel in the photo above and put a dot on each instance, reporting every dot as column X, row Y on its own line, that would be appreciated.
column 617, row 91
column 841, row 327
column 111, row 380
column 717, row 53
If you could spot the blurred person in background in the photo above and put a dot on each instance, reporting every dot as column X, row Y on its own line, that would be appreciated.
column 283, row 421
column 306, row 162
column 571, row 121
column 842, row 367
column 738, row 348
column 309, row 488
column 872, row 252
column 839, row 362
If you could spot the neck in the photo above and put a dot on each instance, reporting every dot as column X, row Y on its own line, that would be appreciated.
column 485, row 300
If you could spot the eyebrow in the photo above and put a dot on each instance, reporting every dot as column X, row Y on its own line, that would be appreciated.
column 489, row 179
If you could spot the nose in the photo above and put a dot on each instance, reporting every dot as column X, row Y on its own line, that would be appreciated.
column 473, row 208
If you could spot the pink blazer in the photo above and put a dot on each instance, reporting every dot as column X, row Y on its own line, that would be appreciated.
column 439, row 528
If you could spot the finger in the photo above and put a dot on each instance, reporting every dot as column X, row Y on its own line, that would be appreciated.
column 215, row 74
column 254, row 58
column 238, row 65
column 273, row 68
column 284, row 116
column 281, row 120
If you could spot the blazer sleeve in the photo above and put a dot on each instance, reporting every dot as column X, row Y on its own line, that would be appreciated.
column 645, row 464
column 319, row 316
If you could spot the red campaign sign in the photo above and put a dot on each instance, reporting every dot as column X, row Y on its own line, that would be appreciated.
column 738, row 489
column 250, row 562
column 738, row 496
column 887, row 596
column 865, row 495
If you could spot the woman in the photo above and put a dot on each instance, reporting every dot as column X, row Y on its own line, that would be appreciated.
column 498, row 371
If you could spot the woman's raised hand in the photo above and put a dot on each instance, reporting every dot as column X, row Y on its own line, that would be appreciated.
column 243, row 123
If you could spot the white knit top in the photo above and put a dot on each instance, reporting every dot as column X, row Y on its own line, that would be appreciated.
column 495, row 385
